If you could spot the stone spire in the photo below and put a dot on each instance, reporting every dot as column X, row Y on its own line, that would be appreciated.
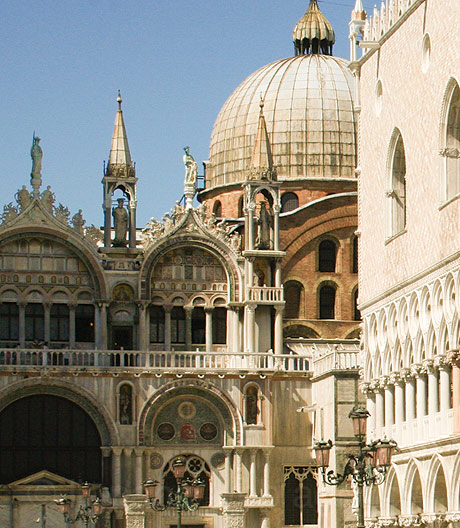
column 357, row 23
column 261, row 165
column 358, row 12
column 120, row 163
column 313, row 33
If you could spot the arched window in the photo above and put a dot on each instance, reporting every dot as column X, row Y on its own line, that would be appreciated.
column 354, row 267
column 293, row 293
column 356, row 312
column 217, row 209
column 59, row 323
column 178, row 325
column 219, row 326
column 84, row 323
column 289, row 202
column 195, row 469
column 251, row 405
column 300, row 496
column 48, row 432
column 327, row 302
column 34, row 322
column 327, row 252
column 451, row 148
column 198, row 326
column 397, row 192
column 157, row 324
column 9, row 322
column 125, row 404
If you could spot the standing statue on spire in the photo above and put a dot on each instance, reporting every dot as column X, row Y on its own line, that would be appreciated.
column 191, row 167
column 36, row 154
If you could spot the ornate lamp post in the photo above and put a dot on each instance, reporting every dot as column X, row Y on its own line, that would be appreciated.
column 369, row 466
column 89, row 513
column 186, row 496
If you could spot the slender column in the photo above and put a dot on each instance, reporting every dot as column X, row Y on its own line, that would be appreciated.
column 421, row 394
column 188, row 327
column 251, row 227
column 167, row 309
column 410, row 399
column 228, row 470
column 433, row 389
column 444, row 382
column 252, row 474
column 132, row 225
column 138, row 479
column 278, row 274
column 399, row 402
column 22, row 324
column 46, row 322
column 235, row 330
column 279, row 310
column 116, row 471
column 379, row 409
column 143, row 337
column 454, row 357
column 101, row 328
column 266, row 473
column 208, row 315
column 389, row 405
column 239, row 474
column 72, row 308
column 249, row 275
column 107, row 219
column 370, row 406
column 266, row 518
column 276, row 228
column 250, row 327
column 128, row 451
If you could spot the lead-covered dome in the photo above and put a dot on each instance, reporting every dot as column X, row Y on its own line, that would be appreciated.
column 310, row 120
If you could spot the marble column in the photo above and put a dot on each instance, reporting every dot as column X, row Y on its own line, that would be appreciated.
column 455, row 359
column 433, row 389
column 370, row 406
column 188, row 327
column 444, row 387
column 128, row 465
column 116, row 471
column 399, row 402
column 279, row 310
column 228, row 469
column 138, row 467
column 421, row 394
column 379, row 409
column 72, row 337
column 252, row 474
column 410, row 399
column 251, row 227
column 46, row 321
column 208, row 327
column 250, row 327
column 101, row 328
column 239, row 472
column 167, row 308
column 389, row 405
column 276, row 228
column 144, row 330
column 266, row 473
column 22, row 324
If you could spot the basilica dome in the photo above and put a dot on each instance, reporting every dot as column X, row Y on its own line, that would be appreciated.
column 308, row 108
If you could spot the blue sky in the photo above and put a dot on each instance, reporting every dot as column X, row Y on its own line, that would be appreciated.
column 175, row 64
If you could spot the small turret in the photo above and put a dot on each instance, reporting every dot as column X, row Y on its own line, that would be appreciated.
column 313, row 33
column 120, row 163
column 261, row 165
column 357, row 23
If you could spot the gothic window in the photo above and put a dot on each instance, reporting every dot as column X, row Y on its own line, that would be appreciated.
column 451, row 147
column 219, row 326
column 34, row 322
column 354, row 267
column 327, row 302
column 157, row 324
column 9, row 321
column 300, row 496
column 48, row 432
column 289, row 202
column 397, row 192
column 84, row 323
column 217, row 209
column 195, row 469
column 251, row 407
column 59, row 322
column 198, row 326
column 327, row 252
column 177, row 325
column 126, row 404
column 293, row 292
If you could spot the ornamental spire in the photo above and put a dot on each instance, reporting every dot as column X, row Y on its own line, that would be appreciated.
column 120, row 163
column 261, row 166
column 313, row 33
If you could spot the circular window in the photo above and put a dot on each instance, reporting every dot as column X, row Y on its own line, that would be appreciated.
column 378, row 98
column 166, row 431
column 426, row 53
column 208, row 431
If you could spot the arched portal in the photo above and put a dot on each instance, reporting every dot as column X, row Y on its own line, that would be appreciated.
column 49, row 432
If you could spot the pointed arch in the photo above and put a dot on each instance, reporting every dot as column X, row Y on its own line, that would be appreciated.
column 396, row 169
column 437, row 487
column 413, row 490
column 391, row 495
column 450, row 141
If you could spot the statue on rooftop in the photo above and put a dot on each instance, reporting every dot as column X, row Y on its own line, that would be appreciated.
column 191, row 167
column 36, row 154
column 263, row 227
column 23, row 198
column 48, row 199
column 120, row 222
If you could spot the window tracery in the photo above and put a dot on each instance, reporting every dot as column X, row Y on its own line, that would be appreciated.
column 300, row 495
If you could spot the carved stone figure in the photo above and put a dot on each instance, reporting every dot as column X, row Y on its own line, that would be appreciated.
column 178, row 212
column 120, row 222
column 191, row 167
column 36, row 154
column 10, row 212
column 23, row 198
column 263, row 227
column 62, row 214
column 78, row 222
column 125, row 404
column 48, row 199
column 168, row 222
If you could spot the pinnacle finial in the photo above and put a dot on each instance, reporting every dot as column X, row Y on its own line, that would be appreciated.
column 119, row 100
column 313, row 33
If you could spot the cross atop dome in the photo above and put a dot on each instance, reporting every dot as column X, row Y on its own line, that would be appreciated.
column 313, row 33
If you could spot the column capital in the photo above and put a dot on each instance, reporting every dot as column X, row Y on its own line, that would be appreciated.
column 428, row 366
column 406, row 374
column 106, row 451
column 117, row 451
column 453, row 357
column 209, row 309
column 393, row 378
column 143, row 305
column 168, row 308
column 251, row 307
column 139, row 451
column 441, row 362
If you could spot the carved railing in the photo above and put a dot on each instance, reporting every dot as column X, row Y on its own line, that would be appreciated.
column 335, row 357
column 265, row 294
column 145, row 361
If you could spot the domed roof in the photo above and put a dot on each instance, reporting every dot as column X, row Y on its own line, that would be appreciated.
column 308, row 108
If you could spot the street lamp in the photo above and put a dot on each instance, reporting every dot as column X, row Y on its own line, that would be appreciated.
column 185, row 497
column 89, row 513
column 369, row 466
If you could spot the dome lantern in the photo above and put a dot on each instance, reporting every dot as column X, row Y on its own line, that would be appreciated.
column 313, row 33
